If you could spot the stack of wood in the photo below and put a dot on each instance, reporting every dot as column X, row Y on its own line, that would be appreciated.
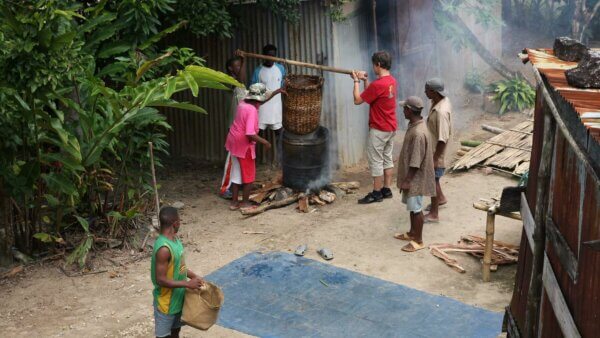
column 503, row 253
column 509, row 150
column 273, row 195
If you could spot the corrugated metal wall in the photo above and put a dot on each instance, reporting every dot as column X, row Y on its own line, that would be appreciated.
column 202, row 136
column 574, row 204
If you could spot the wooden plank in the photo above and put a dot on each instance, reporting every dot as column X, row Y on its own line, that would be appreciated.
column 539, row 236
column 566, row 257
column 557, row 300
column 528, row 222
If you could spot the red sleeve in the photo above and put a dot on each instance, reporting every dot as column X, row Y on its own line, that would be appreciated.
column 371, row 93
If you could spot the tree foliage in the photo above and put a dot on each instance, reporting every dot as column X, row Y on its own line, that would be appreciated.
column 79, row 100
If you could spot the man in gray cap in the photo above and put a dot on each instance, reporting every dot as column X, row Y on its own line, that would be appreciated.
column 415, row 172
column 439, row 123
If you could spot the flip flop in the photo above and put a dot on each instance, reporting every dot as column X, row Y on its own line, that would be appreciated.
column 428, row 207
column 234, row 207
column 301, row 250
column 403, row 237
column 428, row 220
column 413, row 246
column 325, row 253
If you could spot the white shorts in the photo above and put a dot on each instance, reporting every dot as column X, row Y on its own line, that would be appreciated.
column 274, row 126
column 413, row 203
column 380, row 147
column 231, row 174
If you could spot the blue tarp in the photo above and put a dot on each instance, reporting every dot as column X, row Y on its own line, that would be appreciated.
column 281, row 295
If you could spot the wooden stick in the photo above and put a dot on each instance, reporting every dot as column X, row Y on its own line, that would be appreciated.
column 271, row 205
column 156, row 199
column 152, row 227
column 449, row 261
column 297, row 63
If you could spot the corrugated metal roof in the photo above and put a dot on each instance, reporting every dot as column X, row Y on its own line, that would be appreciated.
column 586, row 102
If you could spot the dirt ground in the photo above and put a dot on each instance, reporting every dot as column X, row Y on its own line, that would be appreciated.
column 42, row 301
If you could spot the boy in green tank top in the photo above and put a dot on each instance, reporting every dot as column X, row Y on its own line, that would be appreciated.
column 170, row 276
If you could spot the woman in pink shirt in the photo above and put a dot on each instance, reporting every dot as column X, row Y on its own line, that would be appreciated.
column 240, row 169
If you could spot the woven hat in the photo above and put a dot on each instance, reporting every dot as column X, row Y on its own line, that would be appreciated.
column 257, row 92
column 436, row 84
column 413, row 102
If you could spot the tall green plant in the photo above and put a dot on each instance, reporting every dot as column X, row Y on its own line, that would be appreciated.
column 76, row 115
column 516, row 94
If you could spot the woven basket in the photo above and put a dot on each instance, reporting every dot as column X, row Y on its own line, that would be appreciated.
column 302, row 104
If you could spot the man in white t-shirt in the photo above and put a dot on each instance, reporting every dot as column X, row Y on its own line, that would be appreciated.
column 271, row 74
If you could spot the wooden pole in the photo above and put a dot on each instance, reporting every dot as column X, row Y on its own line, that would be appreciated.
column 539, row 232
column 489, row 242
column 155, row 225
column 297, row 63
column 156, row 199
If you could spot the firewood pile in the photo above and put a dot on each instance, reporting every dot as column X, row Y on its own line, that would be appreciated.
column 273, row 195
column 502, row 253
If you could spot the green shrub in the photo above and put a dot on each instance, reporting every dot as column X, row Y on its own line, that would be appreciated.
column 515, row 94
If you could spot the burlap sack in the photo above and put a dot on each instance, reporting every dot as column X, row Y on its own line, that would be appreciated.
column 201, row 307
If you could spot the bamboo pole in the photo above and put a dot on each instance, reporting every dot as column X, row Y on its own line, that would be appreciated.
column 489, row 242
column 297, row 63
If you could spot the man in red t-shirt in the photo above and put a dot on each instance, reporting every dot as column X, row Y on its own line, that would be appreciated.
column 381, row 97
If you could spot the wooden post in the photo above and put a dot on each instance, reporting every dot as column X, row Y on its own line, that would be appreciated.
column 539, row 232
column 489, row 243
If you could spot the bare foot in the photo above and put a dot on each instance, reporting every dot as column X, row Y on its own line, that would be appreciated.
column 430, row 219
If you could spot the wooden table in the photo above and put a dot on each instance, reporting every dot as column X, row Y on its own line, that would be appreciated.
column 492, row 209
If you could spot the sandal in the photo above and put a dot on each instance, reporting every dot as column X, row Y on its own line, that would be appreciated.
column 326, row 254
column 403, row 237
column 413, row 246
column 429, row 220
column 428, row 207
column 301, row 250
column 234, row 207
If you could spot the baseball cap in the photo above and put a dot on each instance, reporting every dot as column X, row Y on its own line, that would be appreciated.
column 412, row 102
column 436, row 84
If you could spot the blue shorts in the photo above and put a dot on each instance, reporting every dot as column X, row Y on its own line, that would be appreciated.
column 164, row 323
column 414, row 204
column 439, row 172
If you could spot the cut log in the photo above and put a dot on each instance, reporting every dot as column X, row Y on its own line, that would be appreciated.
column 251, row 211
column 492, row 129
column 327, row 196
column 314, row 199
column 461, row 153
column 303, row 204
column 337, row 191
column 259, row 197
column 449, row 261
